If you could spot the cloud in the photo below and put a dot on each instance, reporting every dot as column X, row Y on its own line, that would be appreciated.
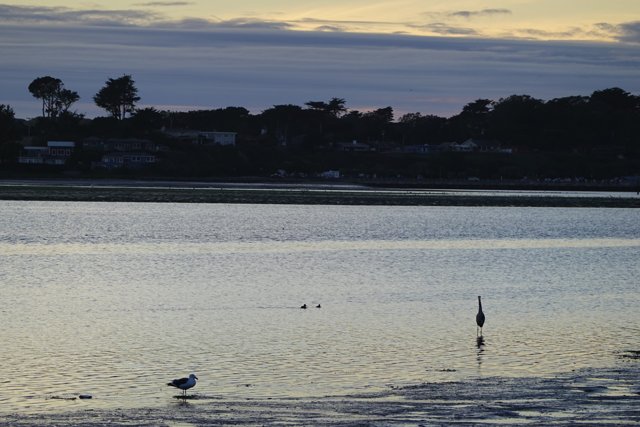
column 164, row 3
column 62, row 15
column 251, row 23
column 536, row 34
column 478, row 13
column 329, row 28
column 254, row 64
column 628, row 32
column 445, row 29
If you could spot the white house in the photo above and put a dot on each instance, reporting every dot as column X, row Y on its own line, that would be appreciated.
column 119, row 160
column 218, row 138
column 55, row 153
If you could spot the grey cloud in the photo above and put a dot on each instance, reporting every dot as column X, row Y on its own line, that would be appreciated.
column 41, row 14
column 214, row 66
column 164, row 3
column 10, row 14
column 629, row 32
column 476, row 13
column 445, row 29
column 344, row 22
column 536, row 33
column 330, row 28
column 237, row 23
column 250, row 23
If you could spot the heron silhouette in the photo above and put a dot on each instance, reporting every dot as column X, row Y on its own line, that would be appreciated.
column 479, row 317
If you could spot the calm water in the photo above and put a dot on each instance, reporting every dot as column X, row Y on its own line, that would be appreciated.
column 115, row 299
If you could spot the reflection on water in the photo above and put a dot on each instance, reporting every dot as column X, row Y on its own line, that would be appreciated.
column 480, row 347
column 116, row 299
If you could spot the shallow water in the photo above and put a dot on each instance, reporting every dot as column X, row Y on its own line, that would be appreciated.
column 116, row 299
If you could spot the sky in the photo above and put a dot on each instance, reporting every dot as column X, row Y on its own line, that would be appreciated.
column 428, row 56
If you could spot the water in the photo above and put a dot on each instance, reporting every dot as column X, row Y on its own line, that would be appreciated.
column 116, row 299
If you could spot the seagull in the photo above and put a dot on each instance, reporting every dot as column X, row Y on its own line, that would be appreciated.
column 184, row 383
column 479, row 317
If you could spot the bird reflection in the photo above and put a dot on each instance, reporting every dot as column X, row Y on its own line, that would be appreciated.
column 183, row 402
column 480, row 346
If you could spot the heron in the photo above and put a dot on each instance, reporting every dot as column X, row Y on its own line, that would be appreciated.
column 479, row 317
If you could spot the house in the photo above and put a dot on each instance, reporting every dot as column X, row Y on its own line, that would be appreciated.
column 482, row 146
column 55, row 153
column 330, row 174
column 217, row 138
column 203, row 137
column 33, row 155
column 121, row 145
column 420, row 149
column 118, row 160
column 354, row 146
column 466, row 146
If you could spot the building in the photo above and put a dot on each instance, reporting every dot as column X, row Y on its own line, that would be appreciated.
column 203, row 137
column 118, row 160
column 121, row 145
column 353, row 146
column 55, row 153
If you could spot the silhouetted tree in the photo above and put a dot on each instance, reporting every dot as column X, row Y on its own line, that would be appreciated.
column 282, row 123
column 147, row 120
column 418, row 129
column 56, row 100
column 9, row 149
column 518, row 119
column 65, row 99
column 616, row 117
column 118, row 96
column 336, row 107
column 45, row 88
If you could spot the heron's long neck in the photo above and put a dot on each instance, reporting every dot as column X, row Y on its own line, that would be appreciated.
column 479, row 304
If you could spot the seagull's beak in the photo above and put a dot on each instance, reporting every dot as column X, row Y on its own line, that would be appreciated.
column 195, row 377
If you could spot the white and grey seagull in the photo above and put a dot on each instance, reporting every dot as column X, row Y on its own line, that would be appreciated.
column 184, row 384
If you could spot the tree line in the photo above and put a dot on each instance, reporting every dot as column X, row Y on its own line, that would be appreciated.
column 118, row 96
column 592, row 135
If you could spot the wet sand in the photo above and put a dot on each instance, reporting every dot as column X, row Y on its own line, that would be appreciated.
column 173, row 192
column 589, row 396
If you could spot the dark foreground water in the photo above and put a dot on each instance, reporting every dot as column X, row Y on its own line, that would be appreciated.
column 115, row 299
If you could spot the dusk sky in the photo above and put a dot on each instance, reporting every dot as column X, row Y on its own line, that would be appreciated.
column 429, row 56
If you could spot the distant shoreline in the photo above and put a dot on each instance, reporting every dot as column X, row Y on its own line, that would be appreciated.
column 293, row 193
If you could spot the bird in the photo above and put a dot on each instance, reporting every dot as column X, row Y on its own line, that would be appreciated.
column 303, row 306
column 479, row 317
column 184, row 384
column 318, row 306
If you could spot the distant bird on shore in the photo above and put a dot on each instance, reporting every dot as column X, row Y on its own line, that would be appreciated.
column 303, row 306
column 318, row 306
column 184, row 384
column 479, row 317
